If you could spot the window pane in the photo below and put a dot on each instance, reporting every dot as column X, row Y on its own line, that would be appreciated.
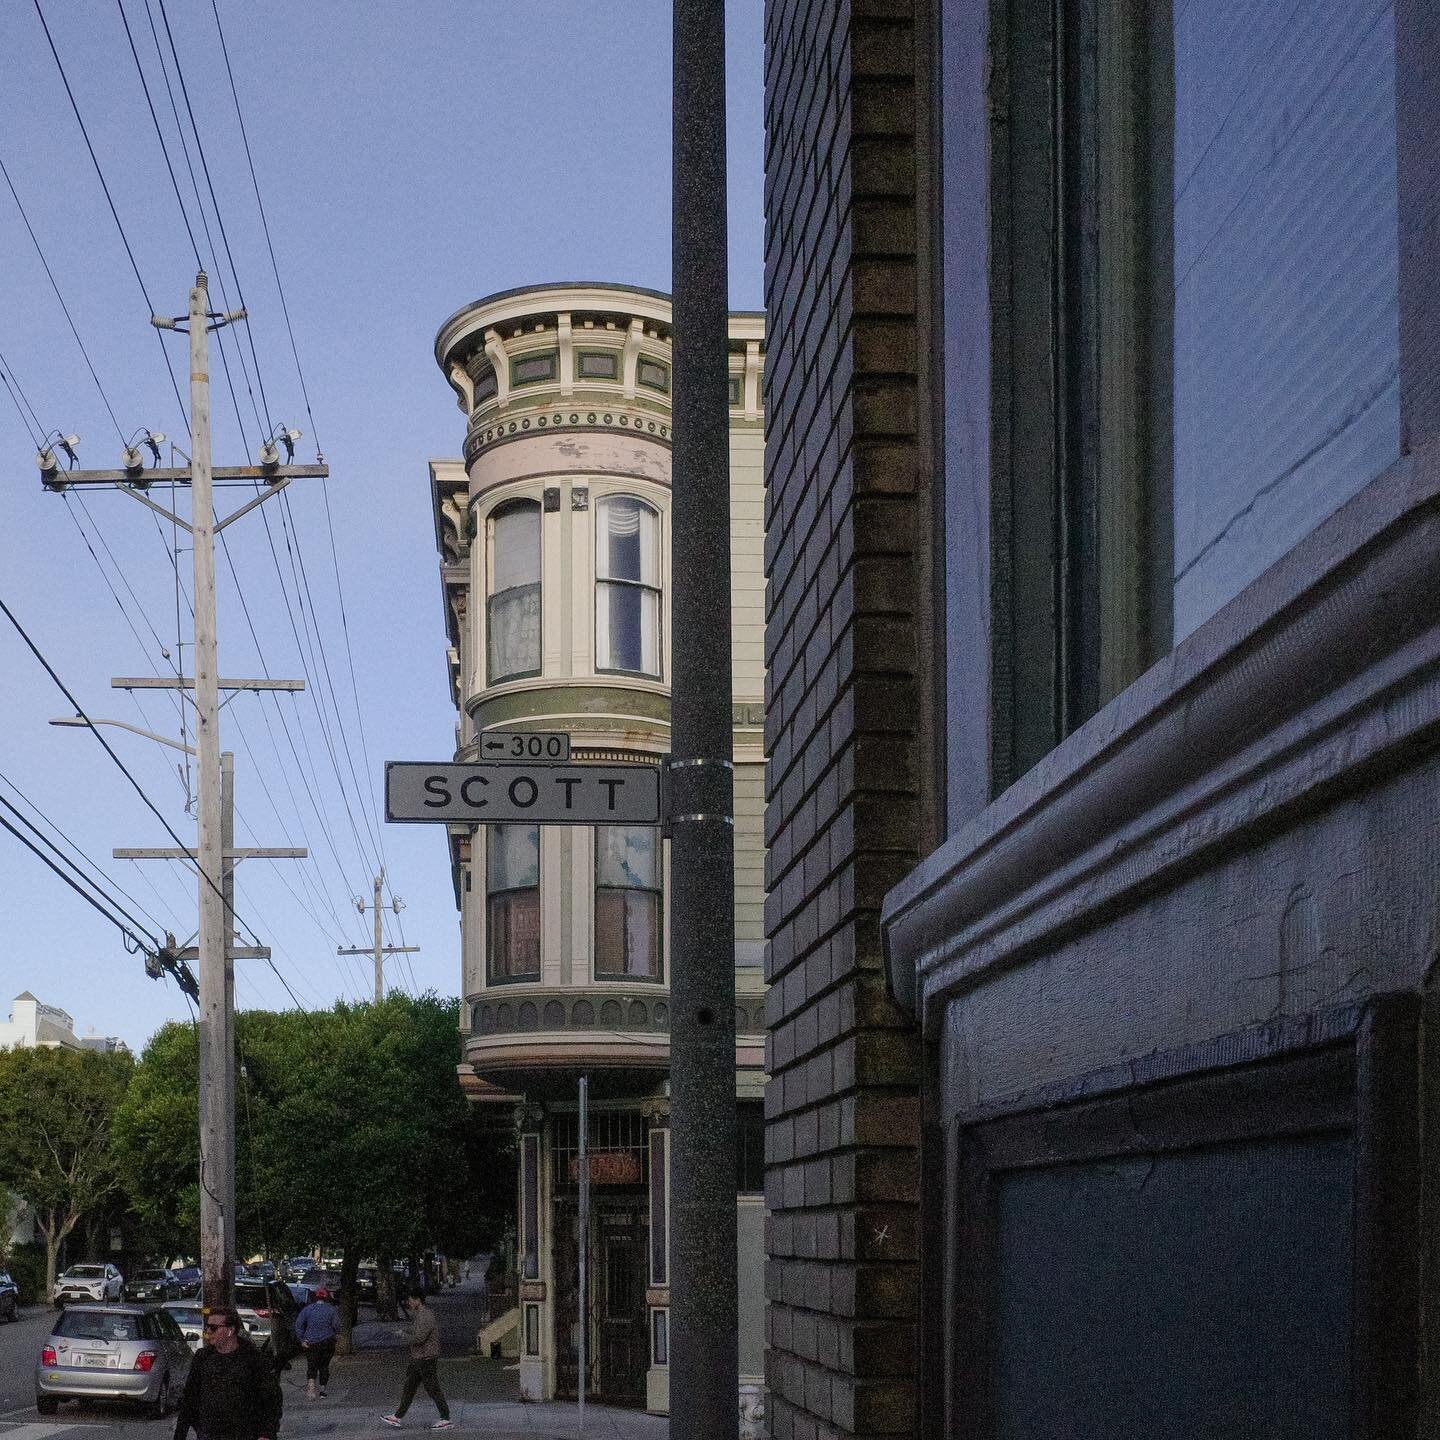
column 627, row 541
column 514, row 933
column 626, row 857
column 627, row 629
column 1283, row 273
column 512, row 616
column 512, row 632
column 627, row 933
column 512, row 855
column 515, row 560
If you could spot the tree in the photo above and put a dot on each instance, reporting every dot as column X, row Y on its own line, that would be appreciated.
column 56, row 1108
column 351, row 1132
column 157, row 1141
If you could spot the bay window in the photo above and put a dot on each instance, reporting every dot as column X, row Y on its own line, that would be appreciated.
column 512, row 903
column 627, row 586
column 512, row 607
column 627, row 902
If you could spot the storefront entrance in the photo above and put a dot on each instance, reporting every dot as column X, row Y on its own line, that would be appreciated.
column 617, row 1356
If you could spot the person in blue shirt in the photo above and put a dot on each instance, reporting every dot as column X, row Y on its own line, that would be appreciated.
column 316, row 1327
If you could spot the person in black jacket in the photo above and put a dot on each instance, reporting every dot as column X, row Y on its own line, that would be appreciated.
column 232, row 1392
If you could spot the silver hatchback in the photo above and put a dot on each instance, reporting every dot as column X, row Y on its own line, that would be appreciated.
column 113, row 1352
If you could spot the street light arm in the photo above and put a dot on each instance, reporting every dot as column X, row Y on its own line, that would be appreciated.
column 124, row 725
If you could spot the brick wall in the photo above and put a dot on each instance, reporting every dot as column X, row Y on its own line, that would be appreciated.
column 843, row 698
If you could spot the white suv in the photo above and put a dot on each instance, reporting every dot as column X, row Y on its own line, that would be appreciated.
column 88, row 1282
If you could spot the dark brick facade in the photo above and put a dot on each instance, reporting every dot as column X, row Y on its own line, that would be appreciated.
column 845, row 521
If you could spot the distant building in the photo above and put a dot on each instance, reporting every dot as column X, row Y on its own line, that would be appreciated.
column 554, row 535
column 32, row 1023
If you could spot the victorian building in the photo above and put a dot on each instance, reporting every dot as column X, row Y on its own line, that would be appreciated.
column 554, row 535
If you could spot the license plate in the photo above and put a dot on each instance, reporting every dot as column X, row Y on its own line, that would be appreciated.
column 94, row 1360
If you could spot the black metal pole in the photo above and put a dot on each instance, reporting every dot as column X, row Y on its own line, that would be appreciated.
column 704, row 1348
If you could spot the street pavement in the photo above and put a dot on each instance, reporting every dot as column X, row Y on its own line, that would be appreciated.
column 483, row 1393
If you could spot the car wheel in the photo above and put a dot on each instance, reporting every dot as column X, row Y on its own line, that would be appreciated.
column 46, row 1404
column 156, row 1409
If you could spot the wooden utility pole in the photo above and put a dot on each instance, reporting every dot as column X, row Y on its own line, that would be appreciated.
column 215, row 853
column 217, row 1037
column 379, row 950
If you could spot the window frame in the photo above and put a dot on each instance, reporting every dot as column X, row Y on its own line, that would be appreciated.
column 492, row 977
column 599, row 503
column 510, row 505
column 610, row 977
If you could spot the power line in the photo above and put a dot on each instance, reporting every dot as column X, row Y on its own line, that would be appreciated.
column 115, row 214
column 109, row 750
column 69, row 319
column 36, row 431
column 98, row 885
column 130, row 935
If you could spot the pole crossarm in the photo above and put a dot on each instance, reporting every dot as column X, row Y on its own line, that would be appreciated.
column 187, row 682
column 260, row 852
column 384, row 950
column 180, row 475
column 237, row 952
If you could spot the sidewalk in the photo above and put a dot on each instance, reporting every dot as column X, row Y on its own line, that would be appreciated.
column 483, row 1394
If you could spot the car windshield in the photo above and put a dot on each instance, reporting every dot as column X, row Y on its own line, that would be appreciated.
column 188, row 1272
column 97, row 1325
column 252, row 1297
column 151, row 1275
column 84, row 1272
column 185, row 1316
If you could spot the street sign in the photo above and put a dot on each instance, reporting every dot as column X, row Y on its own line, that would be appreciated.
column 507, row 793
column 551, row 745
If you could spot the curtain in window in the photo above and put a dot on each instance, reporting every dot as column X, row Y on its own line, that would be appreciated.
column 513, row 904
column 627, row 902
column 512, row 620
column 627, row 591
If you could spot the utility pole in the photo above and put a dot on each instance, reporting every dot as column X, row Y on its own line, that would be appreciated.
column 215, row 852
column 380, row 949
column 704, row 1300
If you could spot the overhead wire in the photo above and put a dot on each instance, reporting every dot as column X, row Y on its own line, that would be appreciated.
column 103, row 884
column 318, row 699
column 115, row 214
column 230, row 382
column 310, row 669
column 310, row 415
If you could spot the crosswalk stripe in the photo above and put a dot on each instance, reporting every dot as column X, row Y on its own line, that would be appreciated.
column 37, row 1430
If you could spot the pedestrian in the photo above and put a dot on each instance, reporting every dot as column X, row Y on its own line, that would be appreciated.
column 316, row 1327
column 424, row 1353
column 232, row 1392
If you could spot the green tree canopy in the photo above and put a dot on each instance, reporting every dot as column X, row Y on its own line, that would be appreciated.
column 56, row 1108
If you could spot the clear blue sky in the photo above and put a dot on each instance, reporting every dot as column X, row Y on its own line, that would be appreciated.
column 411, row 157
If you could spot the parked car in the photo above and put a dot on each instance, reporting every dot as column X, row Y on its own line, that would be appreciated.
column 263, row 1269
column 156, row 1285
column 187, row 1281
column 190, row 1318
column 267, row 1310
column 113, row 1352
column 9, row 1298
column 88, row 1282
column 366, row 1279
column 297, row 1267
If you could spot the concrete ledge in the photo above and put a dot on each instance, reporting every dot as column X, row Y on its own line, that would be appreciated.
column 1283, row 701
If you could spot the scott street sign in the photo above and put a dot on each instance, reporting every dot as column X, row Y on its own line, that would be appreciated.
column 506, row 792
